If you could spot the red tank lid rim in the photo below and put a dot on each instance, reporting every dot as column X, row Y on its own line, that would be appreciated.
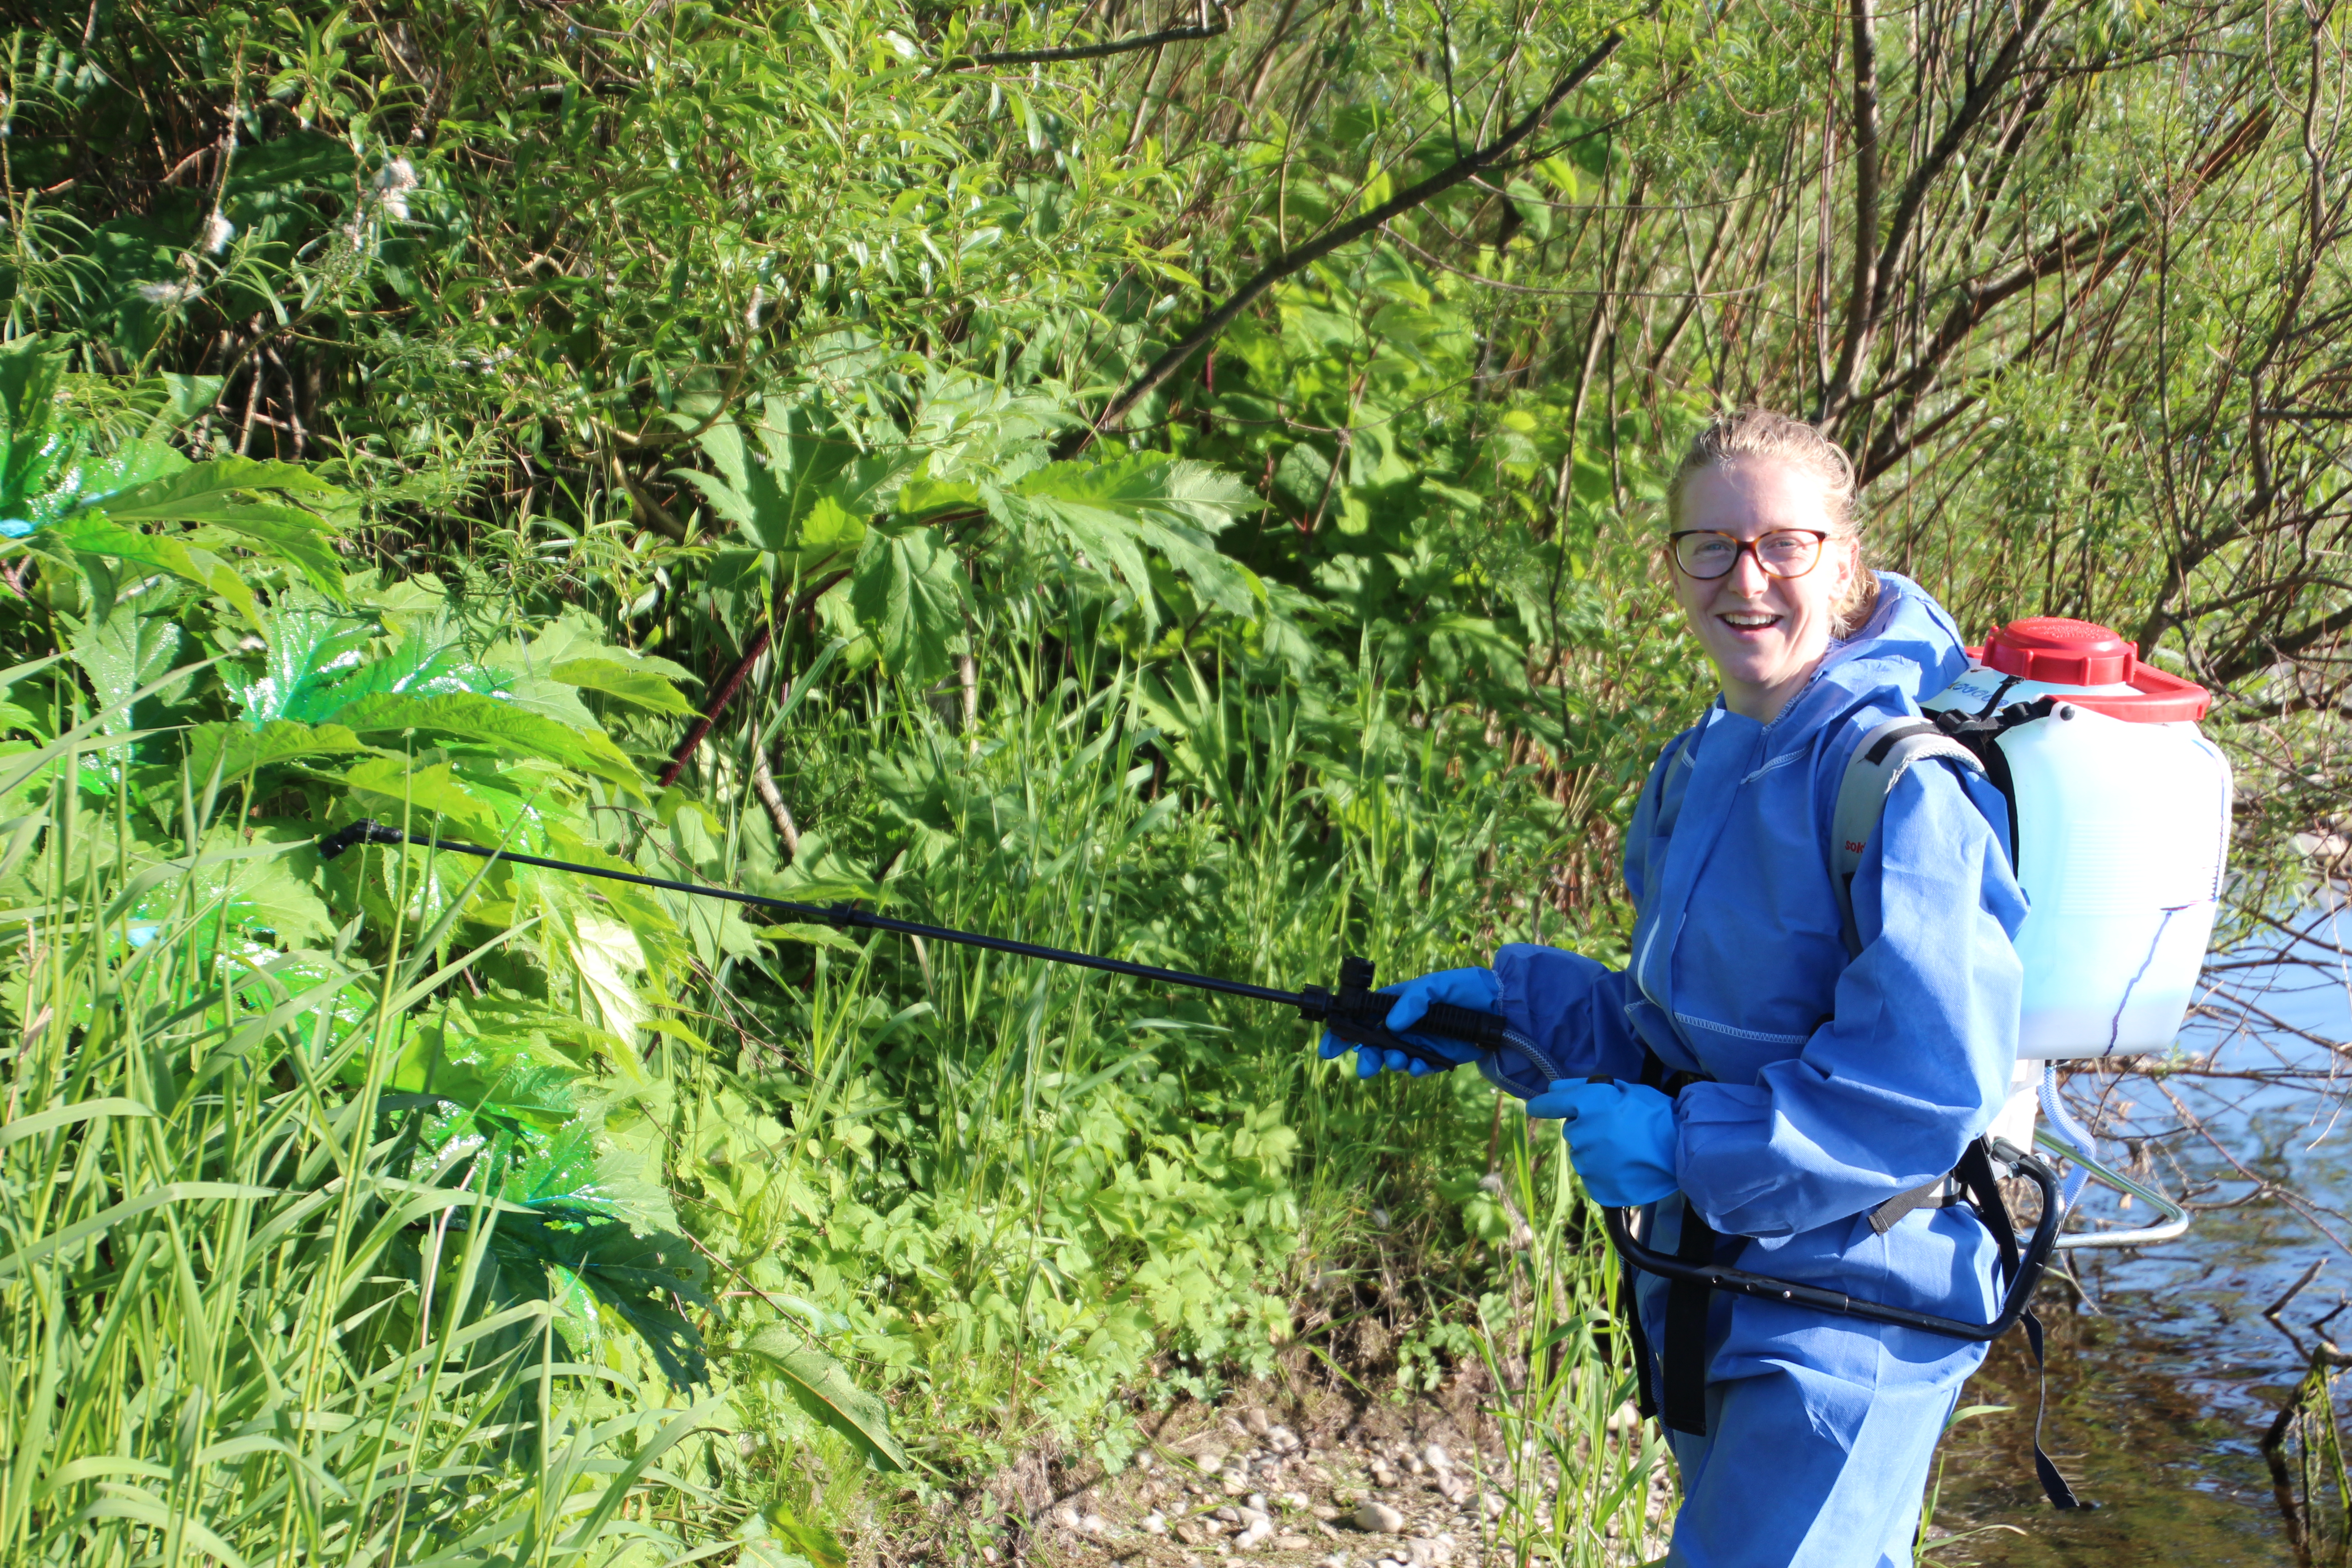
column 2061, row 651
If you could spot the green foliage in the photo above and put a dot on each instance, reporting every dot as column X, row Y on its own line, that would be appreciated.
column 433, row 420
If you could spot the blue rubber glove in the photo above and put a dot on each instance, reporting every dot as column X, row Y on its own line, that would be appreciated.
column 1621, row 1137
column 1474, row 989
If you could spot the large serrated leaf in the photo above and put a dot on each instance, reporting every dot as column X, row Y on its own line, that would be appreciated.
column 310, row 652
column 29, row 369
column 240, row 752
column 302, row 539
column 629, row 683
column 822, row 1386
column 205, row 492
column 95, row 533
column 121, row 654
column 389, row 787
column 909, row 598
column 486, row 721
column 1113, row 512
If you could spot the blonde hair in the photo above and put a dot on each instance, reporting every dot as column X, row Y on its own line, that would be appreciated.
column 1759, row 434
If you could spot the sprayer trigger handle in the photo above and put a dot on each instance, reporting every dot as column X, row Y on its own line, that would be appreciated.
column 1467, row 1025
column 1358, row 1030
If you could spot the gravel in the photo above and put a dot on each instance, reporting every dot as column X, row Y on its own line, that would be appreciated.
column 1246, row 1488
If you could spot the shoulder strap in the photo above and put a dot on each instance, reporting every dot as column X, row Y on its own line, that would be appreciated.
column 1885, row 754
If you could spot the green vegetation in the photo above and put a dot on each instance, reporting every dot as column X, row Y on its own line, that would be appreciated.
column 774, row 446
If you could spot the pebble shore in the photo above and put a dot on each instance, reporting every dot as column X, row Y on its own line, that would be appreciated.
column 1245, row 1487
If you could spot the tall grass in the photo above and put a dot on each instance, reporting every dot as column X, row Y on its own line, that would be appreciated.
column 243, row 1319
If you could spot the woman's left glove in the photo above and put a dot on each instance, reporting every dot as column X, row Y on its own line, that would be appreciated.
column 1621, row 1137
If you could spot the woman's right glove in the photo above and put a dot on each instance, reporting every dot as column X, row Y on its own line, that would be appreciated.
column 1474, row 989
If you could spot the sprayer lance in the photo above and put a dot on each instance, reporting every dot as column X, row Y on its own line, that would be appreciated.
column 1354, row 1012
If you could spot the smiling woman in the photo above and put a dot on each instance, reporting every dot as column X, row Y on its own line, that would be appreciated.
column 1767, row 555
column 1776, row 1100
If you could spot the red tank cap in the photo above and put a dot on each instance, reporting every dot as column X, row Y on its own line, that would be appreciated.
column 2061, row 651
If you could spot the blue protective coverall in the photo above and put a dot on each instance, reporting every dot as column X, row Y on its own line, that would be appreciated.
column 1837, row 1083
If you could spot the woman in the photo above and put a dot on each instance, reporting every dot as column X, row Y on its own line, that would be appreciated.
column 1808, row 1087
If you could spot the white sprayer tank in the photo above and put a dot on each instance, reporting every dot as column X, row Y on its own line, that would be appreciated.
column 2122, row 821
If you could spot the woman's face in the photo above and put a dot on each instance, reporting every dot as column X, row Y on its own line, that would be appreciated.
column 1763, row 634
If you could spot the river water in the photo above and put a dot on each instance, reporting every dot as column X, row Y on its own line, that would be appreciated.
column 2163, row 1372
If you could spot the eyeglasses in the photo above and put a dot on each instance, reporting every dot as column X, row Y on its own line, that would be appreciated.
column 1703, row 553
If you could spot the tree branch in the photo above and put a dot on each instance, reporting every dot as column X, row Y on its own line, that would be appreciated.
column 1294, row 261
column 1866, row 213
column 1948, row 146
column 734, row 678
column 2261, row 655
column 1881, row 263
column 1083, row 51
column 763, row 785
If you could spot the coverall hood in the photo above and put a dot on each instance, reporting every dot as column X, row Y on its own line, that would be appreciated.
column 1908, row 650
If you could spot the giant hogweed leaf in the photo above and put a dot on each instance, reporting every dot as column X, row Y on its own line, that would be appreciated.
column 569, row 655
column 491, row 1077
column 431, row 659
column 909, row 596
column 607, row 957
column 616, row 1174
column 81, row 480
column 634, row 1275
column 302, row 539
column 638, row 687
column 553, row 1035
column 121, row 654
column 560, row 1168
column 240, row 752
column 807, row 448
column 94, row 533
column 486, row 721
column 265, row 892
column 571, row 635
column 29, row 370
column 970, row 425
column 206, row 492
column 1114, row 512
column 147, row 482
column 744, row 491
column 771, row 473
column 601, row 1228
column 795, row 482
column 308, row 651
column 821, row 1386
column 867, row 484
column 390, row 789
